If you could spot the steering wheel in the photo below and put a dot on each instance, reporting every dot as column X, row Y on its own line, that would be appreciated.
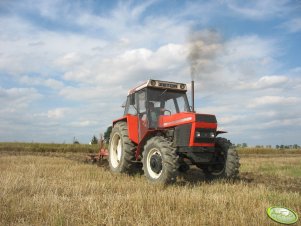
column 163, row 110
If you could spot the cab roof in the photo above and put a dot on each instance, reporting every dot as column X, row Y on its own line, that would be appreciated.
column 158, row 84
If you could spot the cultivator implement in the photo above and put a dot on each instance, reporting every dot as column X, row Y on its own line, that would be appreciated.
column 101, row 156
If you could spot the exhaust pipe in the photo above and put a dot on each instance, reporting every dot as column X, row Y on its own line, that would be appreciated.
column 192, row 95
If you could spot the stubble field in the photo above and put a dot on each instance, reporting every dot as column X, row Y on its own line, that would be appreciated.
column 59, row 188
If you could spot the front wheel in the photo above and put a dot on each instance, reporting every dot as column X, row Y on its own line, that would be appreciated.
column 226, row 163
column 160, row 161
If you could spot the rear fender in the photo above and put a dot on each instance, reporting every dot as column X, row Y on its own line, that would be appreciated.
column 123, row 119
column 132, row 123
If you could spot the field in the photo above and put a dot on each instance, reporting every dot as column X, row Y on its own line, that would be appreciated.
column 49, row 187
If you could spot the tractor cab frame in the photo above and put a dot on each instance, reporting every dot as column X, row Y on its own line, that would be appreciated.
column 151, row 102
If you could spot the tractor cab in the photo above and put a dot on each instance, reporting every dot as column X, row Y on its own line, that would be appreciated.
column 153, row 100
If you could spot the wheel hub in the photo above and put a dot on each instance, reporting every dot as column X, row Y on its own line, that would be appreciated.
column 156, row 163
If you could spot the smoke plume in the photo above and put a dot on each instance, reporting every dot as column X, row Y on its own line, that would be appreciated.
column 203, row 48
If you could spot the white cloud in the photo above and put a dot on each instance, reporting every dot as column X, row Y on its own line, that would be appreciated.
column 15, row 113
column 250, row 47
column 17, row 98
column 231, row 119
column 130, row 66
column 279, row 101
column 56, row 49
column 239, row 59
column 37, row 81
column 282, row 123
column 69, row 59
column 264, row 83
column 260, row 9
column 293, row 25
column 120, row 15
column 84, row 123
column 93, row 93
column 57, row 113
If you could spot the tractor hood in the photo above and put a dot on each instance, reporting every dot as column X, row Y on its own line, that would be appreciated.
column 185, row 118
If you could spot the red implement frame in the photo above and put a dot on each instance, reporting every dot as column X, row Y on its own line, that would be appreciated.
column 102, row 154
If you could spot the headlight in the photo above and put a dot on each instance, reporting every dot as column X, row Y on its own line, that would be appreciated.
column 211, row 135
column 199, row 134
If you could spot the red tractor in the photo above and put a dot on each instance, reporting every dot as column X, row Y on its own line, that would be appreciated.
column 161, row 131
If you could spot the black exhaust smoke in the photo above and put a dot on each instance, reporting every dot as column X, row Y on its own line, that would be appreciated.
column 203, row 46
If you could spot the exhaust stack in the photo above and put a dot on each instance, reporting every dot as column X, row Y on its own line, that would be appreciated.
column 192, row 95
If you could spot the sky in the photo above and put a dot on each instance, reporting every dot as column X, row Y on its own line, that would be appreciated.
column 66, row 66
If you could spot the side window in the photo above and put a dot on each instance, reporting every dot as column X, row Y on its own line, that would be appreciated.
column 181, row 104
column 170, row 105
column 130, row 109
column 141, row 102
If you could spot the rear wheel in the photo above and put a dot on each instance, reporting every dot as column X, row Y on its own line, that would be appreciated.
column 160, row 161
column 121, row 150
column 226, row 162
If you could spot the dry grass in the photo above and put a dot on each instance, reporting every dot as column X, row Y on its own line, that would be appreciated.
column 285, row 166
column 44, row 190
column 272, row 151
column 281, row 172
column 44, row 148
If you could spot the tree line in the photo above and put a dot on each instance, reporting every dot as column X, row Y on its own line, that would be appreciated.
column 292, row 146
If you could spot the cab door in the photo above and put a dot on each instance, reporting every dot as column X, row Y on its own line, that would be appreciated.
column 142, row 114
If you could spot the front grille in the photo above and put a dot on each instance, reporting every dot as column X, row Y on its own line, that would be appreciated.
column 182, row 135
column 204, row 135
column 205, row 118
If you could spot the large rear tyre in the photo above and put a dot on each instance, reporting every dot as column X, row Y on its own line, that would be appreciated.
column 227, row 162
column 121, row 150
column 160, row 161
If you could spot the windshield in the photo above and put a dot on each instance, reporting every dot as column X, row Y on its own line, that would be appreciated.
column 171, row 101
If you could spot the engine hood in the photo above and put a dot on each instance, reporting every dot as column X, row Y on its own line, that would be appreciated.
column 185, row 118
